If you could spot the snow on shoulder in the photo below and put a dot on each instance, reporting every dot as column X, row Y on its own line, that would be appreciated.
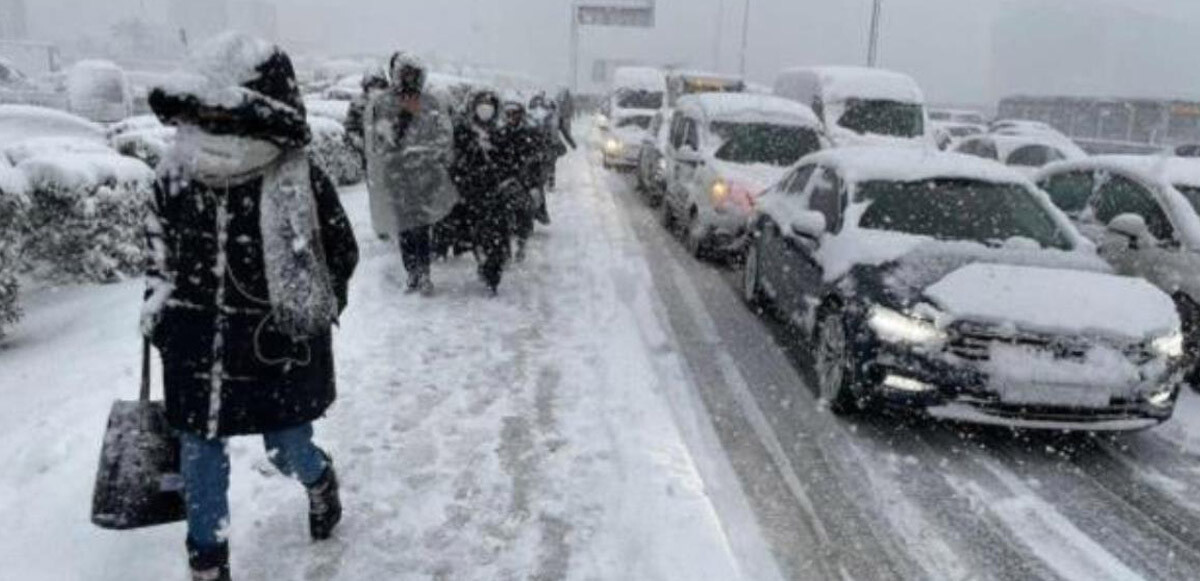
column 867, row 163
column 750, row 108
column 218, row 69
column 1038, row 299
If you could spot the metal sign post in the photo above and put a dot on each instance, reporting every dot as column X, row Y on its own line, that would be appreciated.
column 873, row 48
column 608, row 13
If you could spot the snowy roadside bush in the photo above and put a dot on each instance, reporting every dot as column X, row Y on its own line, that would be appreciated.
column 332, row 152
column 14, row 225
column 87, row 214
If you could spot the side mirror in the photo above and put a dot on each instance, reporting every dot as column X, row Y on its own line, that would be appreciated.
column 688, row 154
column 1133, row 228
column 809, row 226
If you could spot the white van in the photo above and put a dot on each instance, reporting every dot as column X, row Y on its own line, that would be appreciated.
column 638, row 89
column 860, row 106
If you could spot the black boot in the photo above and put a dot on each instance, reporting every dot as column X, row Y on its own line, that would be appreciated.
column 209, row 564
column 324, row 505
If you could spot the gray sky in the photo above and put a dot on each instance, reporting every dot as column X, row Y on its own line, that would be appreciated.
column 953, row 47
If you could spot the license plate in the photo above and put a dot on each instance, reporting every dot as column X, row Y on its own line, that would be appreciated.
column 1066, row 395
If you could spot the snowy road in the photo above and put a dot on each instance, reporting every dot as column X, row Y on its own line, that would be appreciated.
column 617, row 414
column 887, row 498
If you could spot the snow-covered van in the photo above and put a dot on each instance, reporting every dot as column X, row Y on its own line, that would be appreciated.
column 99, row 91
column 860, row 106
column 637, row 89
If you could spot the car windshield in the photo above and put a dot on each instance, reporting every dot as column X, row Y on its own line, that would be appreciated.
column 642, row 121
column 958, row 209
column 750, row 143
column 883, row 118
column 1192, row 194
column 640, row 99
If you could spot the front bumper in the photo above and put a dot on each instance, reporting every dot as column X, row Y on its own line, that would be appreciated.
column 958, row 389
column 627, row 157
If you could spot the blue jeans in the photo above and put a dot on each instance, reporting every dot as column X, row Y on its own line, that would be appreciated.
column 206, row 476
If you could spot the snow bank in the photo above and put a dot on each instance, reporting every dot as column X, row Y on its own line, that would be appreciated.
column 143, row 137
column 331, row 150
column 1033, row 299
column 21, row 122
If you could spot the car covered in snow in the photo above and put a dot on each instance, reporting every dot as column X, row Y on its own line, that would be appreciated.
column 723, row 150
column 622, row 137
column 637, row 89
column 950, row 126
column 652, row 160
column 1141, row 212
column 949, row 284
column 860, row 106
column 1024, row 153
column 99, row 91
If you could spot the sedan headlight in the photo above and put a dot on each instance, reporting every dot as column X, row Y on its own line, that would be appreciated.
column 895, row 327
column 720, row 192
column 613, row 147
column 1169, row 346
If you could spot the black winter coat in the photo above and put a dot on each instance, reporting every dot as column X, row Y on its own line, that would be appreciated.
column 227, row 369
column 521, row 150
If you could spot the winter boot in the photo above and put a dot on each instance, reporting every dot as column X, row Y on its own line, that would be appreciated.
column 414, row 283
column 209, row 564
column 324, row 505
column 426, row 285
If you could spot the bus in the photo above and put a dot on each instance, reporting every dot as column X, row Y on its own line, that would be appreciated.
column 1102, row 125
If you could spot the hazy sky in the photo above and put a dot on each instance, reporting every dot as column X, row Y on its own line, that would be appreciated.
column 949, row 45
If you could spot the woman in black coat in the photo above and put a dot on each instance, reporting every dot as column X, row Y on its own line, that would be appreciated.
column 251, row 258
column 477, row 172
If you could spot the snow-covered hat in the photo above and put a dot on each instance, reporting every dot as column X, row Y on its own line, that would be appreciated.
column 402, row 61
column 242, row 86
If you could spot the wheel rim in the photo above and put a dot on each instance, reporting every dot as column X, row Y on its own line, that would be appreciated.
column 831, row 358
column 750, row 278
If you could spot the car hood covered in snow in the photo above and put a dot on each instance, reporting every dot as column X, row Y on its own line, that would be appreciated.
column 755, row 178
column 1055, row 301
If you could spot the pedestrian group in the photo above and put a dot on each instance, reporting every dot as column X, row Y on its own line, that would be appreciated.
column 252, row 252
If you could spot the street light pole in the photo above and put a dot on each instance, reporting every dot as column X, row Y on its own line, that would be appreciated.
column 574, row 48
column 745, row 38
column 717, row 36
column 873, row 49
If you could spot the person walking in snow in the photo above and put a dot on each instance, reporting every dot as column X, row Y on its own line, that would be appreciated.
column 520, row 147
column 477, row 172
column 374, row 80
column 410, row 142
column 251, row 256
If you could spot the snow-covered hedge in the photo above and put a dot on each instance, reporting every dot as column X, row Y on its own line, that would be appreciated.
column 87, row 214
column 14, row 225
column 333, row 153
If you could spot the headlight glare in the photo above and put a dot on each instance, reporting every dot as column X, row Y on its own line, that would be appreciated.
column 1169, row 346
column 894, row 327
column 613, row 147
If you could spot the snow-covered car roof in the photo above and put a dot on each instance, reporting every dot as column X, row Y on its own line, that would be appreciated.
column 840, row 83
column 639, row 78
column 873, row 163
column 1160, row 173
column 744, row 107
column 1006, row 144
column 22, row 122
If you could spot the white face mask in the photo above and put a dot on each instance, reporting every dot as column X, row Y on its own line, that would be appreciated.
column 485, row 112
column 223, row 157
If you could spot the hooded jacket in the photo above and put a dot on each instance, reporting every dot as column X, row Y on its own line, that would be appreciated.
column 408, row 159
column 229, row 365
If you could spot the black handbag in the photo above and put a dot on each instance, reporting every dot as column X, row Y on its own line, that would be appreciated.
column 138, row 483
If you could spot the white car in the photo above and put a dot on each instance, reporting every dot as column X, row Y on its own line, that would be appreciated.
column 861, row 106
column 940, row 282
column 622, row 137
column 723, row 150
column 950, row 126
column 1024, row 153
column 1141, row 211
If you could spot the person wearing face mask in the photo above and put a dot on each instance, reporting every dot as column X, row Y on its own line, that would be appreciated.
column 251, row 255
column 477, row 172
column 409, row 144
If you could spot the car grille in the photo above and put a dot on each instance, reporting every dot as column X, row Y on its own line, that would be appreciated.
column 975, row 343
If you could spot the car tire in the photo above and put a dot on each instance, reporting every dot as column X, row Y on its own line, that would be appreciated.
column 752, row 291
column 834, row 363
column 666, row 216
column 693, row 237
